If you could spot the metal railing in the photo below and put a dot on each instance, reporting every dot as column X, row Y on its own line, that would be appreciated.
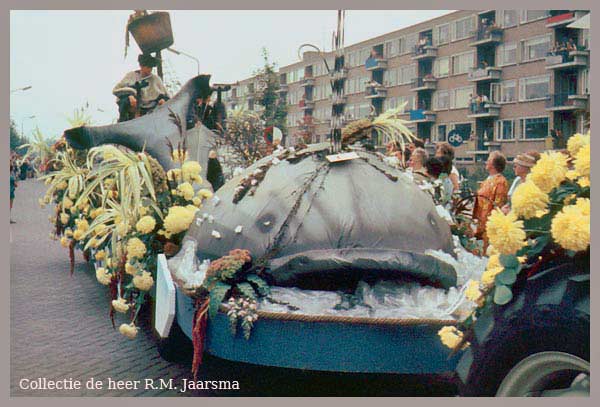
column 559, row 99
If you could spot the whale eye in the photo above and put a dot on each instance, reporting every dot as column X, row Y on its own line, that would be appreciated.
column 266, row 222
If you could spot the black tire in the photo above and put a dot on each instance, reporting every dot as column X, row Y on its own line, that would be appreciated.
column 550, row 312
column 177, row 347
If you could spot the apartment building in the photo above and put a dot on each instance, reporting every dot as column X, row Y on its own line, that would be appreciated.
column 529, row 85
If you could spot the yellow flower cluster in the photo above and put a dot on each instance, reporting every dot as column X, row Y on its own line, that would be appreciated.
column 186, row 191
column 174, row 174
column 64, row 241
column 179, row 156
column 67, row 203
column 178, row 219
column 494, row 267
column 62, row 185
column 451, row 336
column 505, row 232
column 473, row 292
column 528, row 200
column 122, row 229
column 205, row 193
column 143, row 282
column 582, row 161
column 128, row 330
column 190, row 170
column 571, row 226
column 64, row 218
column 145, row 225
column 120, row 305
column 135, row 248
column 576, row 142
column 130, row 269
column 550, row 170
column 100, row 255
column 103, row 276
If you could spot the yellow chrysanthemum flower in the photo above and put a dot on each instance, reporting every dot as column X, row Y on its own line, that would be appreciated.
column 583, row 204
column 135, row 248
column 128, row 330
column 451, row 336
column 550, row 170
column 174, row 174
column 62, row 185
column 576, row 142
column 145, row 224
column 571, row 227
column 494, row 267
column 130, row 269
column 186, row 190
column 190, row 170
column 582, row 161
column 505, row 232
column 473, row 292
column 143, row 211
column 178, row 219
column 100, row 255
column 584, row 182
column 120, row 305
column 197, row 202
column 205, row 193
column 143, row 282
column 103, row 276
column 64, row 241
column 78, row 234
column 528, row 199
column 82, row 224
column 122, row 229
column 68, row 232
column 67, row 203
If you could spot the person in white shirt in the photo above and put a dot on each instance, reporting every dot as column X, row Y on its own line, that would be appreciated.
column 522, row 164
column 445, row 149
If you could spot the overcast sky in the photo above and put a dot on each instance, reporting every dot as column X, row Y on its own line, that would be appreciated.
column 73, row 57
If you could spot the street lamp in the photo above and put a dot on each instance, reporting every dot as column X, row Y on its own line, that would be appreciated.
column 22, row 89
column 23, row 121
column 174, row 51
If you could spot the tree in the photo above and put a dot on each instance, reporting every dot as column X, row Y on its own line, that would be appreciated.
column 16, row 139
column 274, row 109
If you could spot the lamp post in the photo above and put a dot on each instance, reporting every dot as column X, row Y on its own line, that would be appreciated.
column 174, row 51
column 24, row 88
column 23, row 121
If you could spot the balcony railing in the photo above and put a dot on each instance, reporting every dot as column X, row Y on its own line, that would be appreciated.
column 375, row 64
column 566, row 101
column 486, row 35
column 424, row 51
column 564, row 58
column 421, row 115
column 374, row 92
column 425, row 83
column 483, row 74
column 486, row 109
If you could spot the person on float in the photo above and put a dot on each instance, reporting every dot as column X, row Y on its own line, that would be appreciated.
column 416, row 164
column 140, row 84
column 492, row 194
column 522, row 165
column 445, row 149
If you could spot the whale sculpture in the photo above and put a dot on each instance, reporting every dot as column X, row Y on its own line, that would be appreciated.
column 307, row 222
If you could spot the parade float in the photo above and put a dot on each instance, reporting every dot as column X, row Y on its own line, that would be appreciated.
column 324, row 257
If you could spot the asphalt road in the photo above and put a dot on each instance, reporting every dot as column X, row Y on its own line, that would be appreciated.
column 60, row 330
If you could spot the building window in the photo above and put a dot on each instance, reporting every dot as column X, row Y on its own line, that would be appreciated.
column 535, row 48
column 505, row 130
column 407, row 43
column 462, row 63
column 390, row 77
column 464, row 28
column 507, row 54
column 532, row 15
column 462, row 97
column 534, row 88
column 509, row 18
column 534, row 128
column 441, row 67
column 406, row 74
column 440, row 133
column 508, row 91
column 442, row 100
column 443, row 33
column 391, row 49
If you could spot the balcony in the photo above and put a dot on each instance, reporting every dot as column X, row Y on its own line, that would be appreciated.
column 487, row 110
column 487, row 36
column 426, row 83
column 421, row 116
column 376, row 64
column 375, row 92
column 339, row 74
column 491, row 73
column 338, row 100
column 307, row 81
column 566, row 101
column 568, row 59
column 425, row 52
column 283, row 87
column 306, row 104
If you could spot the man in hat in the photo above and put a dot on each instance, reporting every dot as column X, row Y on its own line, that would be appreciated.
column 140, row 91
column 522, row 164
